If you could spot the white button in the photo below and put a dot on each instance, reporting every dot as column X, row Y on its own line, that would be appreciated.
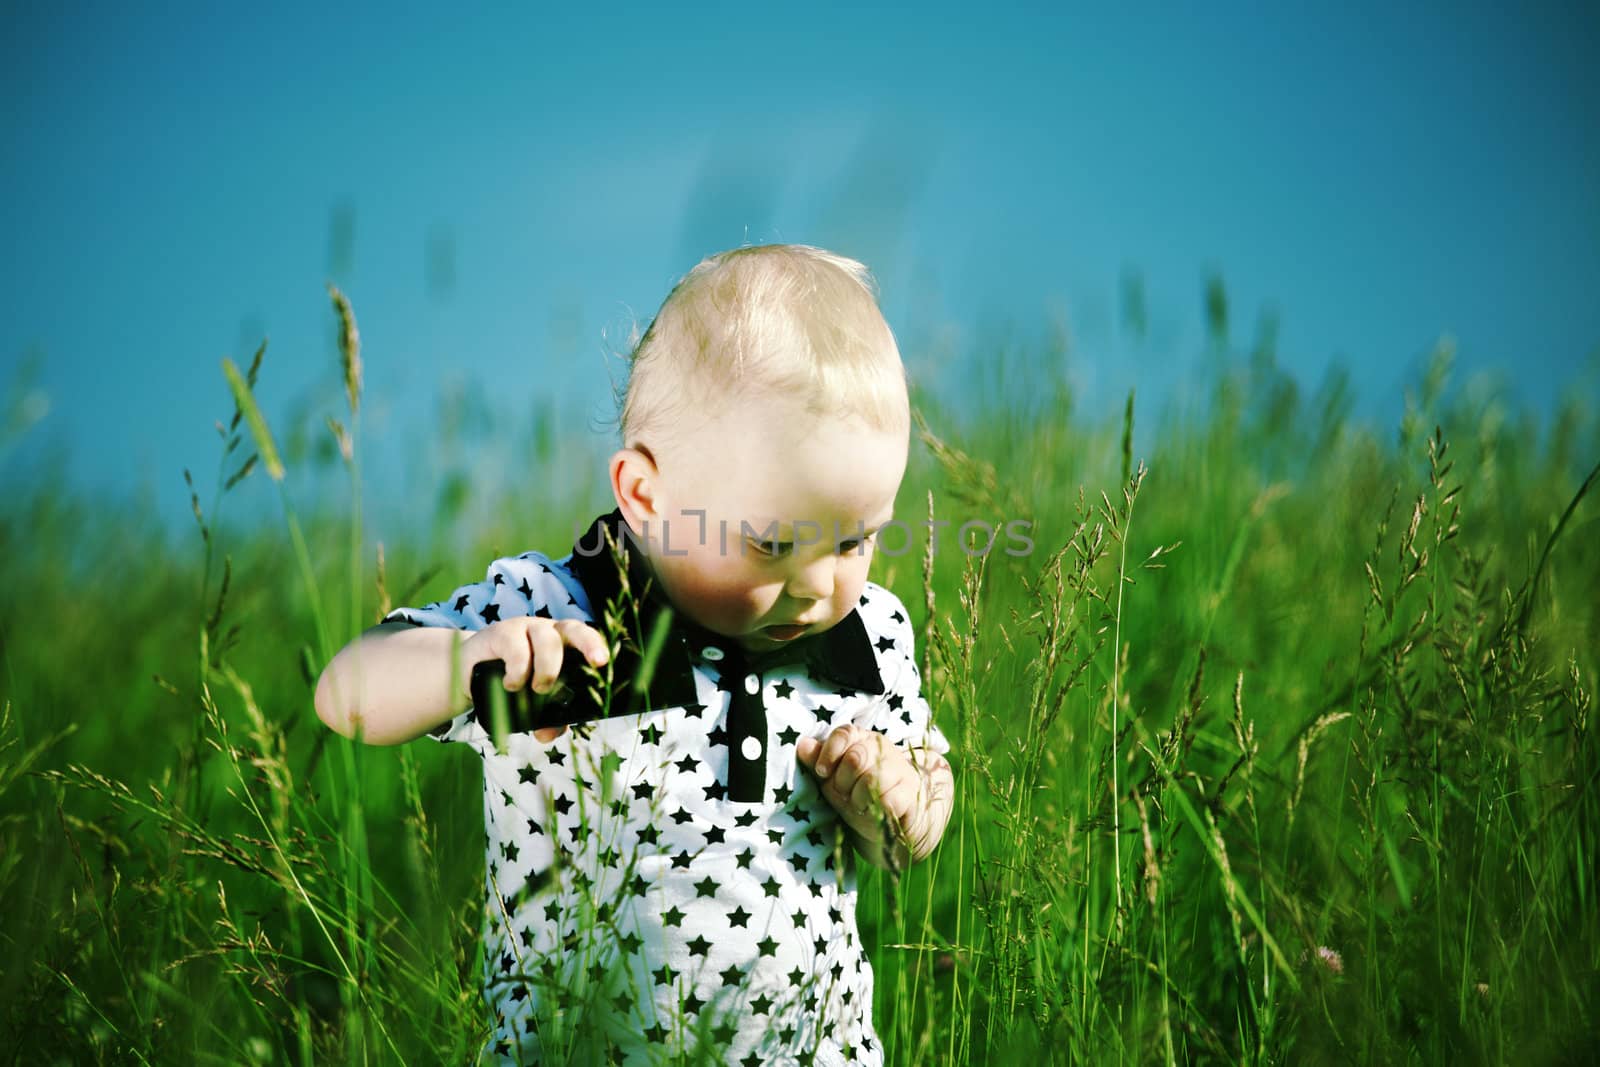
column 751, row 749
column 712, row 653
column 752, row 684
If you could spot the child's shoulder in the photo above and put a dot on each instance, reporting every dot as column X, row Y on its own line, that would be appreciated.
column 881, row 611
column 528, row 584
column 889, row 632
column 539, row 577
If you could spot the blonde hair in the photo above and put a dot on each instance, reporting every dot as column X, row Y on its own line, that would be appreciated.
column 786, row 320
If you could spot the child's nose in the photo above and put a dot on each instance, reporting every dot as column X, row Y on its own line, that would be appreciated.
column 813, row 580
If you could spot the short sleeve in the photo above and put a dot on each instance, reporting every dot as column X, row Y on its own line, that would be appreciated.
column 529, row 584
column 901, row 714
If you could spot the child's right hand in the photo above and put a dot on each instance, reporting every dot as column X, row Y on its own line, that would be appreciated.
column 532, row 649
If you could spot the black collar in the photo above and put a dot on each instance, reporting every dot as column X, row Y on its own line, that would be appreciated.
column 842, row 654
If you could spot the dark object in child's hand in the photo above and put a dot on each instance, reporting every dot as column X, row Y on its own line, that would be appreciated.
column 576, row 697
column 628, row 685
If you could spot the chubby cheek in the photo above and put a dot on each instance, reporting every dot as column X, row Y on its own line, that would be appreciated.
column 848, row 581
column 724, row 595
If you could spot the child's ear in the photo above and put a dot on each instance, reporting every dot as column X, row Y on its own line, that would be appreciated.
column 634, row 481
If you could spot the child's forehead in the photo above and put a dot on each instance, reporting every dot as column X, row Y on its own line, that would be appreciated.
column 868, row 500
column 789, row 419
column 821, row 472
column 780, row 458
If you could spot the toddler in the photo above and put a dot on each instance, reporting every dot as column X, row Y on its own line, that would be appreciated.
column 676, row 883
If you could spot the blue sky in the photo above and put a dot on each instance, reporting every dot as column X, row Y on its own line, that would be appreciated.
column 502, row 192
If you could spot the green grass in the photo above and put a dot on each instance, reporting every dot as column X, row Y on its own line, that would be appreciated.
column 1278, row 748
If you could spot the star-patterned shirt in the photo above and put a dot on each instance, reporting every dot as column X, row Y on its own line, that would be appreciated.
column 670, row 882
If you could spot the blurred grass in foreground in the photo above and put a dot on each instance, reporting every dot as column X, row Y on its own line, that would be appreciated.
column 1279, row 746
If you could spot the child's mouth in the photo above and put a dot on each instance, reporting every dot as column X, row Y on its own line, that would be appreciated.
column 784, row 633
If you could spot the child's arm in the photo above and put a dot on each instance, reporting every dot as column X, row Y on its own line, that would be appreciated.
column 877, row 786
column 394, row 682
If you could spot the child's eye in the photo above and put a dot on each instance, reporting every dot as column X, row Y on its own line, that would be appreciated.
column 856, row 545
column 773, row 549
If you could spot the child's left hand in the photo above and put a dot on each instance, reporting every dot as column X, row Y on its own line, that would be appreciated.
column 870, row 780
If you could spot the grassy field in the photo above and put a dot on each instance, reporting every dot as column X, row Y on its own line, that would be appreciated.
column 1278, row 748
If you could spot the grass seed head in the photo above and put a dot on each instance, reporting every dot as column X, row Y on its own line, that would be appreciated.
column 349, row 347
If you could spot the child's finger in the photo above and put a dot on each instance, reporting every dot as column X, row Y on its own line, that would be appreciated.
column 853, row 766
column 511, row 645
column 548, row 651
column 863, row 796
column 834, row 764
column 869, row 757
column 900, row 801
column 863, row 759
column 805, row 750
column 834, row 747
column 585, row 639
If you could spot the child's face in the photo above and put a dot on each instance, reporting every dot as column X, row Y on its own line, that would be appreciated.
column 772, row 472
